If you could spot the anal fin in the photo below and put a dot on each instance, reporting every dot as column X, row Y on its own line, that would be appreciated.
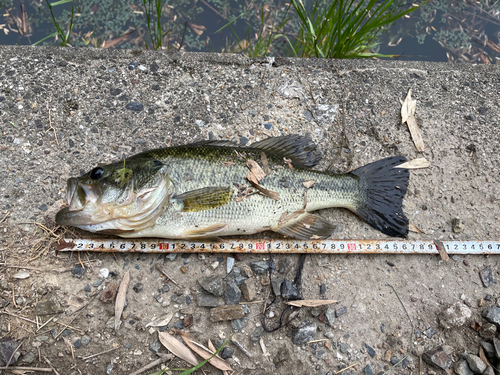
column 305, row 226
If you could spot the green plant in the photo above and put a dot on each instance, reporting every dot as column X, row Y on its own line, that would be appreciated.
column 64, row 36
column 343, row 29
column 154, row 24
column 261, row 44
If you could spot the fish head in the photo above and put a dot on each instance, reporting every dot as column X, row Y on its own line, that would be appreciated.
column 125, row 196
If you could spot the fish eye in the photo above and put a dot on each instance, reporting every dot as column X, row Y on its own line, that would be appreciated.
column 97, row 173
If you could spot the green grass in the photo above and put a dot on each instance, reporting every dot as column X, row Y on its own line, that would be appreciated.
column 344, row 29
column 63, row 35
column 154, row 23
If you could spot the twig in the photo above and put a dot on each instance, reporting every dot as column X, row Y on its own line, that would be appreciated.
column 412, row 329
column 95, row 355
column 14, row 352
column 250, row 303
column 68, row 326
column 18, row 316
column 50, row 364
column 159, row 268
column 77, row 312
column 348, row 367
column 239, row 346
column 164, row 357
column 41, row 369
column 5, row 217
column 320, row 340
column 47, row 322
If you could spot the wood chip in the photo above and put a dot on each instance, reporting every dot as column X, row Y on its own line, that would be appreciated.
column 120, row 298
column 311, row 302
column 177, row 348
column 255, row 169
column 265, row 163
column 442, row 251
column 252, row 178
column 413, row 228
column 267, row 193
column 109, row 293
column 203, row 352
column 415, row 164
column 309, row 184
column 408, row 115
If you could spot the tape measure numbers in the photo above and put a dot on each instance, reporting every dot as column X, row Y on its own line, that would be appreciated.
column 282, row 246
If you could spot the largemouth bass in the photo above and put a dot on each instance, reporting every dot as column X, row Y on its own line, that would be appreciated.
column 214, row 188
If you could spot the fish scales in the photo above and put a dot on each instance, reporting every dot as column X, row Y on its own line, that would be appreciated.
column 203, row 190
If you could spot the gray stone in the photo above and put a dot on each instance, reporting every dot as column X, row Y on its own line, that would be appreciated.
column 496, row 347
column 227, row 353
column 322, row 289
column 4, row 284
column 29, row 357
column 341, row 311
column 97, row 283
column 276, row 285
column 437, row 358
column 457, row 225
column 283, row 265
column 155, row 346
column 171, row 256
column 229, row 264
column 212, row 284
column 208, row 300
column 304, row 334
column 330, row 315
column 455, row 316
column 77, row 344
column 232, row 294
column 368, row 370
column 85, row 340
column 289, row 292
column 8, row 352
column 238, row 324
column 489, row 371
column 49, row 305
column 248, row 289
column 134, row 106
column 42, row 338
column 486, row 277
column 461, row 368
column 240, row 279
column 282, row 355
column 138, row 287
column 344, row 347
column 259, row 267
column 257, row 334
column 492, row 315
column 475, row 363
column 371, row 352
column 429, row 332
column 328, row 334
column 489, row 331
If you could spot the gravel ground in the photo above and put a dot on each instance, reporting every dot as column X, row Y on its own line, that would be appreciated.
column 63, row 111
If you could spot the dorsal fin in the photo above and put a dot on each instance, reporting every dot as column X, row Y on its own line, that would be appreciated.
column 301, row 150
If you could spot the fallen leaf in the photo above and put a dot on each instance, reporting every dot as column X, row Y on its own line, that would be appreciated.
column 265, row 163
column 408, row 115
column 21, row 275
column 251, row 177
column 120, row 298
column 255, row 169
column 476, row 326
column 227, row 163
column 109, row 293
column 413, row 228
column 309, row 184
column 177, row 348
column 198, row 29
column 202, row 351
column 483, row 357
column 415, row 164
column 288, row 162
column 161, row 321
column 267, row 193
column 311, row 302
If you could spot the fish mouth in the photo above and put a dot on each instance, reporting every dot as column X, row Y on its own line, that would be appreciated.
column 132, row 211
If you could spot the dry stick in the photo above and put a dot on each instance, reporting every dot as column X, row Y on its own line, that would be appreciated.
column 164, row 357
column 348, row 367
column 5, row 217
column 50, row 364
column 47, row 322
column 159, row 268
column 41, row 369
column 76, row 313
column 95, row 355
column 412, row 329
column 14, row 352
column 18, row 316
column 246, row 352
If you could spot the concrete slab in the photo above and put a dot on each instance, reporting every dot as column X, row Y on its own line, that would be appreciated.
column 63, row 111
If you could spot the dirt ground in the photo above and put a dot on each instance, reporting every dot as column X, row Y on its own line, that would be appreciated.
column 63, row 111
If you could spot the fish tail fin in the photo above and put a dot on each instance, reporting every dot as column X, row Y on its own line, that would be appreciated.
column 384, row 186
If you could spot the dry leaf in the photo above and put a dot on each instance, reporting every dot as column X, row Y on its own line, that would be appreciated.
column 202, row 351
column 251, row 177
column 267, row 193
column 309, row 184
column 413, row 228
column 227, row 163
column 255, row 169
column 21, row 275
column 109, row 293
column 162, row 321
column 483, row 357
column 177, row 348
column 265, row 163
column 211, row 346
column 311, row 302
column 263, row 347
column 415, row 164
column 408, row 115
column 120, row 298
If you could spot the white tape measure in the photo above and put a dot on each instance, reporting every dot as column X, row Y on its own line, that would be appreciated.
column 282, row 246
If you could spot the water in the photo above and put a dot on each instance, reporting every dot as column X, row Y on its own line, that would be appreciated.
column 441, row 30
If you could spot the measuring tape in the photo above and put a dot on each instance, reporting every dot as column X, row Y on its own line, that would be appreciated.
column 283, row 246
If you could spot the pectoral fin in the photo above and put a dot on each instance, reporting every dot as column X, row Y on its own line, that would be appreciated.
column 305, row 226
column 210, row 231
column 204, row 198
